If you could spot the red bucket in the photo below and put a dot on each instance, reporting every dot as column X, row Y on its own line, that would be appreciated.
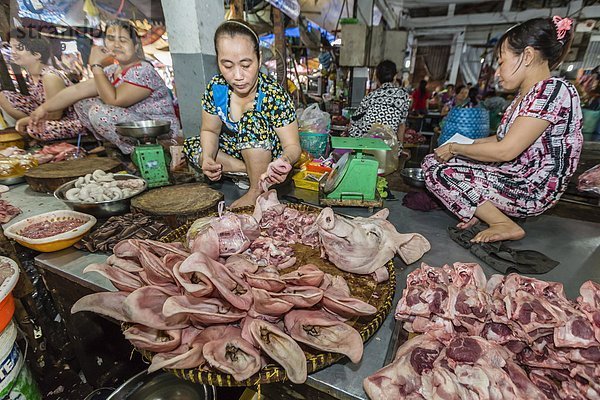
column 7, row 309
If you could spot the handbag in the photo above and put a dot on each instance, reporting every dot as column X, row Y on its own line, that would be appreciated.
column 473, row 123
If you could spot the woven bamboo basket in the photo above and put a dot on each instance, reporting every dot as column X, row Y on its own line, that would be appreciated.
column 361, row 286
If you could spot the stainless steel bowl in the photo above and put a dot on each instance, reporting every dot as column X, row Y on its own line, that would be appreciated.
column 413, row 177
column 144, row 129
column 102, row 209
column 162, row 385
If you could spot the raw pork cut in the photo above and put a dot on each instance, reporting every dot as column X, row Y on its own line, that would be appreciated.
column 318, row 330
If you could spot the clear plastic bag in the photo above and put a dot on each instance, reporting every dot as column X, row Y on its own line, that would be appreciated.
column 312, row 119
column 388, row 159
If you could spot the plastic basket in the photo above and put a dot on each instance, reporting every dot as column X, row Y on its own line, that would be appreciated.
column 473, row 123
column 301, row 182
column 315, row 143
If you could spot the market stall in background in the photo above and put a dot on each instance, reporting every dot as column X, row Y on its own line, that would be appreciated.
column 124, row 270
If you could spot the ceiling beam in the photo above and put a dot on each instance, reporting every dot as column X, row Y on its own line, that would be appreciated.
column 511, row 17
column 388, row 12
column 431, row 3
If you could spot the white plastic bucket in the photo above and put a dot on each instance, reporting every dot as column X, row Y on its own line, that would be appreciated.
column 16, row 382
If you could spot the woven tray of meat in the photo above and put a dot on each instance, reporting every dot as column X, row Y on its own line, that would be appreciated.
column 211, row 307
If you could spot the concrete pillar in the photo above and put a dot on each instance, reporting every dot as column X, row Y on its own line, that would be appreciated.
column 191, row 25
column 458, row 44
column 360, row 76
column 363, row 10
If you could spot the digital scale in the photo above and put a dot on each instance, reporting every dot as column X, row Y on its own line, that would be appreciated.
column 148, row 157
column 353, row 181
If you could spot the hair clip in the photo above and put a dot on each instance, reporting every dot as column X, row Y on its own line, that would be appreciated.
column 563, row 25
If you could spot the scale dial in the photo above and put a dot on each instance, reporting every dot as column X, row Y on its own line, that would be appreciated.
column 335, row 177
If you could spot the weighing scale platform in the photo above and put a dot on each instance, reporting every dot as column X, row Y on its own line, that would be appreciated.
column 353, row 181
column 358, row 144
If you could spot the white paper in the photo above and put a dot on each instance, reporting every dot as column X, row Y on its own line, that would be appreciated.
column 460, row 139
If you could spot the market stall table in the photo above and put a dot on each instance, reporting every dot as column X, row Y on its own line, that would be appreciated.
column 576, row 244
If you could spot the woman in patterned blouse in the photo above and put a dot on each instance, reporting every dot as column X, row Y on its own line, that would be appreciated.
column 387, row 105
column 32, row 51
column 524, row 169
column 248, row 120
column 125, row 91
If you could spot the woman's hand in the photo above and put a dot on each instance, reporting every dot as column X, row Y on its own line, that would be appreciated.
column 211, row 169
column 38, row 116
column 276, row 173
column 99, row 55
column 21, row 126
column 444, row 152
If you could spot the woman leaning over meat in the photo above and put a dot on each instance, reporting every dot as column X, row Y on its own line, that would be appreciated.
column 128, row 89
column 31, row 51
column 524, row 169
column 248, row 119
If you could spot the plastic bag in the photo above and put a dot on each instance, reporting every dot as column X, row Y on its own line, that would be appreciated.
column 589, row 181
column 388, row 159
column 312, row 119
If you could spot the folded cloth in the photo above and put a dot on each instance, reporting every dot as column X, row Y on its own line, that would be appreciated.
column 501, row 257
column 420, row 201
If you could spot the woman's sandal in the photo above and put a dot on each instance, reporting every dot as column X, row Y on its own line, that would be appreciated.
column 501, row 257
column 506, row 260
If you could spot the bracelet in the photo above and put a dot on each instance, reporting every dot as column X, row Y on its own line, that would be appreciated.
column 96, row 65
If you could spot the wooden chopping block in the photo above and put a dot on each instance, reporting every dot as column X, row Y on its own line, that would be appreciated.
column 48, row 177
column 175, row 205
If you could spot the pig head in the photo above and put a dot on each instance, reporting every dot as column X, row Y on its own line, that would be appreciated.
column 363, row 245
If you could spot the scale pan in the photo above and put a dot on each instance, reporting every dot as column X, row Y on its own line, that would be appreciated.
column 144, row 129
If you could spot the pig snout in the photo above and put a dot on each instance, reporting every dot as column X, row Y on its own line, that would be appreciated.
column 326, row 219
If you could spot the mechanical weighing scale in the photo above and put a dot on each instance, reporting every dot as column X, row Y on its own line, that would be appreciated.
column 353, row 181
column 148, row 156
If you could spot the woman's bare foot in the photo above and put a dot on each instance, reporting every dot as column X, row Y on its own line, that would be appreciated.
column 466, row 225
column 249, row 199
column 500, row 231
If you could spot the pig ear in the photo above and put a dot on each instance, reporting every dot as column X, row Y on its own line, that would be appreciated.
column 412, row 246
column 383, row 214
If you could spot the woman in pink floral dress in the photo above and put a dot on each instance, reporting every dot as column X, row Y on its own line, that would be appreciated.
column 130, row 90
column 524, row 169
column 31, row 51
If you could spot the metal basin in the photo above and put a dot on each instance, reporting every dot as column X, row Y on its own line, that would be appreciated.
column 413, row 177
column 102, row 209
column 144, row 129
column 162, row 385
